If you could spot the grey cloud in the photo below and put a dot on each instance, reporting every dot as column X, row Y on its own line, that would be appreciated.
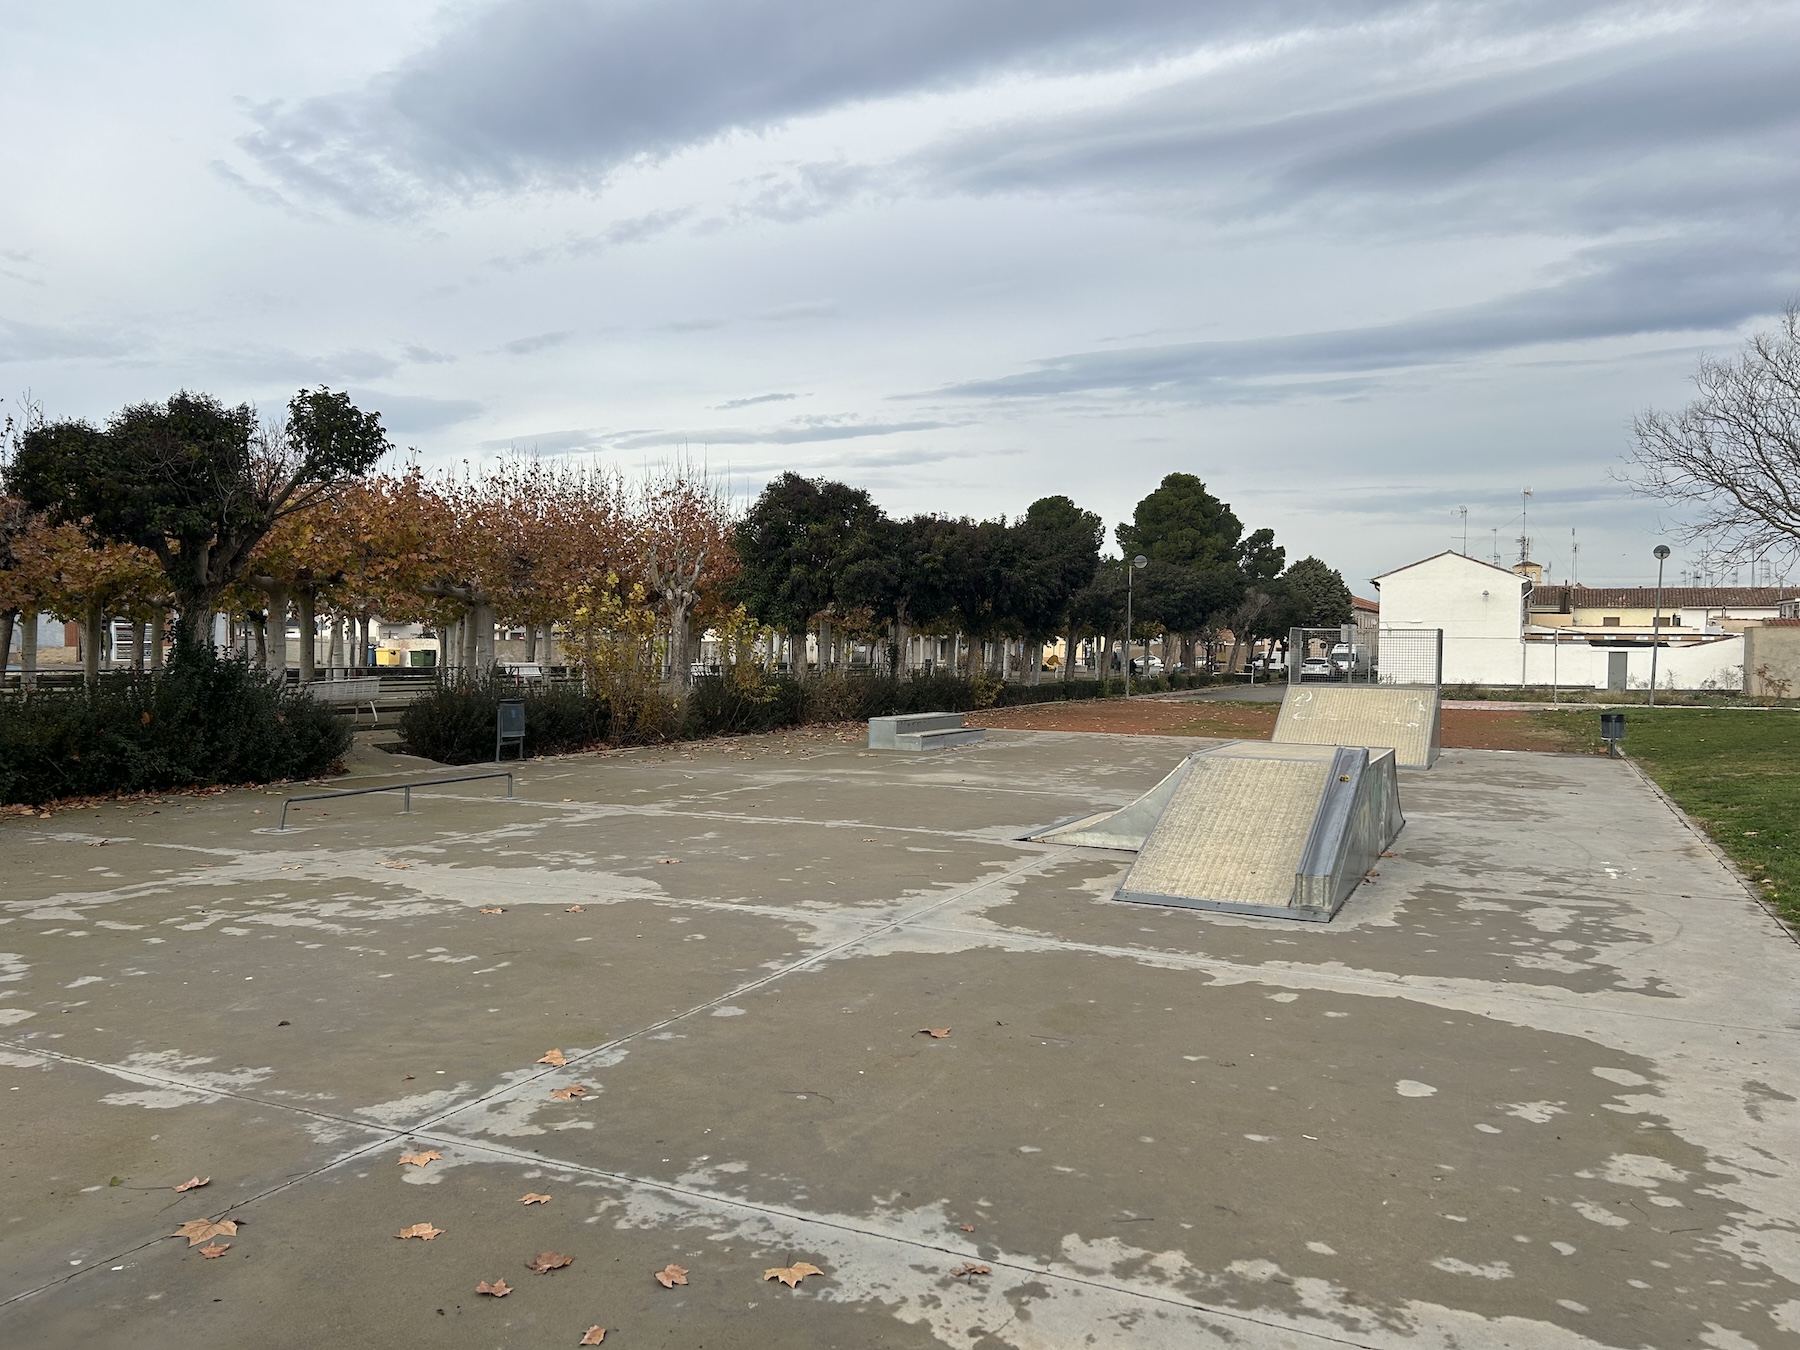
column 425, row 356
column 632, row 230
column 803, row 309
column 1691, row 126
column 51, row 342
column 729, row 404
column 805, row 431
column 538, row 342
column 1621, row 290
column 415, row 412
column 550, row 442
column 534, row 91
column 279, row 365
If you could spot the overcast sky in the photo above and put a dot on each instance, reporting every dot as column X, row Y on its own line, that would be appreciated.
column 1356, row 264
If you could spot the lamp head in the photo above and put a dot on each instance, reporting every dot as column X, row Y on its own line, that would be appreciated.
column 1662, row 552
column 1140, row 561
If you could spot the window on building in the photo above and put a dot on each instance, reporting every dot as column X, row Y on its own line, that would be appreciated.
column 1610, row 621
column 1674, row 620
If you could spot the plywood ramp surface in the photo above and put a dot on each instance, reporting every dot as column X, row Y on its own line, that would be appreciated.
column 1234, row 829
column 1401, row 718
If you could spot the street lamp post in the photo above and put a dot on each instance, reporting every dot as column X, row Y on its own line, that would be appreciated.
column 1662, row 556
column 1137, row 564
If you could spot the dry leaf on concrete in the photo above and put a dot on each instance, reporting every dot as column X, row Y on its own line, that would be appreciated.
column 593, row 1336
column 577, row 909
column 671, row 1275
column 430, row 1155
column 545, row 1262
column 970, row 1269
column 555, row 1057
column 493, row 909
column 966, row 1227
column 212, row 1251
column 397, row 866
column 193, row 1184
column 419, row 1230
column 567, row 1093
column 936, row 1033
column 533, row 1198
column 499, row 1288
column 792, row 1275
column 197, row 1231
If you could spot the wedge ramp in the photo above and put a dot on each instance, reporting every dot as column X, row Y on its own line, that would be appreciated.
column 1402, row 718
column 1251, row 827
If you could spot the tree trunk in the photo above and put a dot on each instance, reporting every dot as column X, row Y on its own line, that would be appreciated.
column 796, row 655
column 28, row 643
column 334, row 644
column 159, row 620
column 531, row 642
column 90, row 651
column 680, row 666
column 1036, row 651
column 1106, row 655
column 194, row 627
column 8, row 617
column 137, row 646
column 309, row 634
column 276, row 625
column 481, row 616
column 549, row 656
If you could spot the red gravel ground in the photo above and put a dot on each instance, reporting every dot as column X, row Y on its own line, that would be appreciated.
column 1463, row 728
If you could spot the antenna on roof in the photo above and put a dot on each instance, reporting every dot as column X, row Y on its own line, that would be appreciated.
column 1463, row 511
column 1574, row 559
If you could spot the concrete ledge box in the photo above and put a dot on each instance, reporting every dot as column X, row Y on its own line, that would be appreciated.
column 921, row 731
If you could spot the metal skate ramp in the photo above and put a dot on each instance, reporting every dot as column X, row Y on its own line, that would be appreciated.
column 1253, row 827
column 1403, row 718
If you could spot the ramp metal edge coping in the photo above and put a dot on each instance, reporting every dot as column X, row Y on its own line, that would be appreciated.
column 407, row 788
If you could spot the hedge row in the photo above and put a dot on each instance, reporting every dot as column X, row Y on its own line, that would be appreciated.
column 455, row 723
column 201, row 722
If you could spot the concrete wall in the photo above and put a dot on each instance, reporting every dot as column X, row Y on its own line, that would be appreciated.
column 1772, row 660
column 1576, row 665
column 1477, row 605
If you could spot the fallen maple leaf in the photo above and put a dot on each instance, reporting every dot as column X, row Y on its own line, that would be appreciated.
column 419, row 1230
column 398, row 866
column 555, row 1057
column 430, row 1155
column 936, row 1033
column 566, row 1093
column 577, row 909
column 192, row 1185
column 592, row 1336
column 545, row 1262
column 966, row 1227
column 671, row 1275
column 669, row 860
column 970, row 1269
column 197, row 1231
column 212, row 1251
column 492, row 909
column 499, row 1288
column 792, row 1275
column 533, row 1198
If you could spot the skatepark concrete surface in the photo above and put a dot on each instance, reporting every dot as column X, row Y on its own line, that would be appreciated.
column 1533, row 1087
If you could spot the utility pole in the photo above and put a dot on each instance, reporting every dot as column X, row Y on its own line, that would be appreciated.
column 1131, row 568
column 1662, row 556
column 1524, row 526
column 1463, row 511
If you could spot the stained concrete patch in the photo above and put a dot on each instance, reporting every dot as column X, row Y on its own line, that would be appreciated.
column 1529, row 1088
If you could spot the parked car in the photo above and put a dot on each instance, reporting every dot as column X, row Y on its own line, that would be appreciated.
column 1316, row 668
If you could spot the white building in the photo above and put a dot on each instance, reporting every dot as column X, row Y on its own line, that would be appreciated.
column 1490, row 638
column 1480, row 607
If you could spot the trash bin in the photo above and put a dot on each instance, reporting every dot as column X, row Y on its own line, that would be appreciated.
column 509, row 727
column 1612, row 731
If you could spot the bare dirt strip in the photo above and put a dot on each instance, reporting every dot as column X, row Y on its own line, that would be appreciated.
column 1463, row 728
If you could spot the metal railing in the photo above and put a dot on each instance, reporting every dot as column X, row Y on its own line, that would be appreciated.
column 406, row 788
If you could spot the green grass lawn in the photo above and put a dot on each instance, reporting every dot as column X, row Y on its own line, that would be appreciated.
column 1736, row 772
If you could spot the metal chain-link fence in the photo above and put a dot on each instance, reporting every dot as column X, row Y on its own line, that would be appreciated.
column 1352, row 655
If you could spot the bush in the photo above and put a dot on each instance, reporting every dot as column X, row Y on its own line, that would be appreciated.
column 454, row 723
column 203, row 721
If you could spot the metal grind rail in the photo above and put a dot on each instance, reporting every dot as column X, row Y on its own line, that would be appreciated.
column 406, row 788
